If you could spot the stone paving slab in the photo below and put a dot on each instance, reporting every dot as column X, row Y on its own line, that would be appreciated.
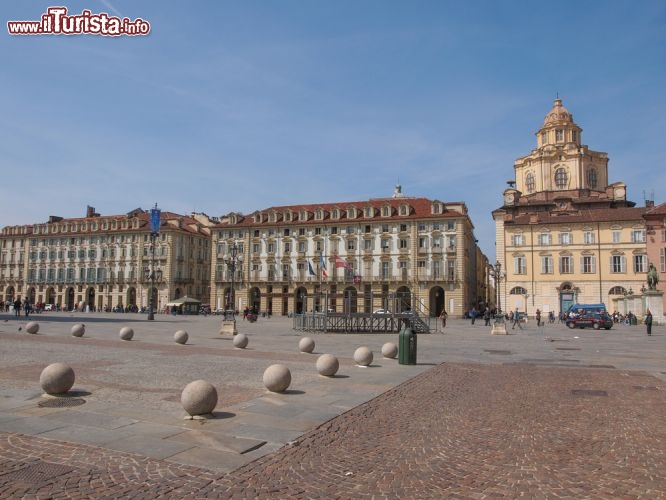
column 218, row 441
column 85, row 434
column 149, row 446
column 94, row 420
column 218, row 460
column 30, row 425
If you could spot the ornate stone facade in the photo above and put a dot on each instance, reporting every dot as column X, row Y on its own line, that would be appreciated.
column 103, row 262
column 391, row 253
column 564, row 234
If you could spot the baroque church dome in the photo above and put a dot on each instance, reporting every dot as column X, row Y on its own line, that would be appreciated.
column 559, row 114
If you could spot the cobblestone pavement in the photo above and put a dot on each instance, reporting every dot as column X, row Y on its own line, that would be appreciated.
column 455, row 431
column 529, row 415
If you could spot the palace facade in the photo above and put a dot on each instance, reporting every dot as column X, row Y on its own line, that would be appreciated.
column 395, row 253
column 564, row 234
column 104, row 262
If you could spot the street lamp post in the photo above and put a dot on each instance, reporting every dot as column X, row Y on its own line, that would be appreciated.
column 499, row 327
column 154, row 232
column 232, row 260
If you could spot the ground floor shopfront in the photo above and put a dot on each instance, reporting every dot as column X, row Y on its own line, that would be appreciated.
column 299, row 298
column 97, row 297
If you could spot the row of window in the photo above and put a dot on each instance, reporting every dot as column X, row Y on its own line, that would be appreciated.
column 104, row 239
column 96, row 275
column 336, row 213
column 588, row 264
column 332, row 230
column 561, row 179
column 566, row 238
column 91, row 254
column 616, row 290
column 559, row 136
column 386, row 245
column 84, row 226
column 385, row 268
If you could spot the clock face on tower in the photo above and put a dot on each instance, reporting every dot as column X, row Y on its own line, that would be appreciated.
column 508, row 198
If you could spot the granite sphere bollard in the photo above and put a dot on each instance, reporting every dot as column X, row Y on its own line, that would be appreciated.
column 181, row 337
column 277, row 378
column 389, row 350
column 306, row 344
column 199, row 398
column 327, row 365
column 78, row 330
column 32, row 327
column 57, row 378
column 126, row 333
column 240, row 341
column 363, row 356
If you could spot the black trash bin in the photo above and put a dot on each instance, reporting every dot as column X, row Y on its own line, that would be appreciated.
column 407, row 346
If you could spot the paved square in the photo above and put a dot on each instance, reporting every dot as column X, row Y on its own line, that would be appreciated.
column 544, row 412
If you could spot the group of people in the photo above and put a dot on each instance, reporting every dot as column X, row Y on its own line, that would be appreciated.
column 18, row 305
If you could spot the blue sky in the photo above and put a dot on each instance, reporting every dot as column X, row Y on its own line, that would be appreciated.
column 235, row 106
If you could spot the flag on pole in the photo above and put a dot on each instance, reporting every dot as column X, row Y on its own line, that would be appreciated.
column 341, row 263
column 310, row 270
column 322, row 264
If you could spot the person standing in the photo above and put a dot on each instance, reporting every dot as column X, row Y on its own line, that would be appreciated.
column 538, row 317
column 648, row 322
column 443, row 317
column 516, row 320
column 486, row 316
column 17, row 307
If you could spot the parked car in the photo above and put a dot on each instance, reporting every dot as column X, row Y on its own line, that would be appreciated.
column 382, row 311
column 594, row 320
column 49, row 307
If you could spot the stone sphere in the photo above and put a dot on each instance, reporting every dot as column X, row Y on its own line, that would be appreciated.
column 363, row 356
column 126, row 333
column 181, row 337
column 57, row 378
column 327, row 365
column 32, row 327
column 306, row 344
column 78, row 330
column 240, row 340
column 277, row 378
column 389, row 350
column 199, row 398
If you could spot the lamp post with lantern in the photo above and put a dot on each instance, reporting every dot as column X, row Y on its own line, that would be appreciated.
column 233, row 259
column 499, row 327
column 155, row 221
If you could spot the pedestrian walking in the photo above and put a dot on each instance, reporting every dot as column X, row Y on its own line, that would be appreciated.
column 473, row 314
column 17, row 307
column 537, row 314
column 516, row 320
column 443, row 317
column 486, row 316
column 648, row 322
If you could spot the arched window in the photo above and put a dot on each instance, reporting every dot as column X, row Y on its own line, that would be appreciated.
column 529, row 182
column 617, row 290
column 592, row 178
column 518, row 290
column 561, row 179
